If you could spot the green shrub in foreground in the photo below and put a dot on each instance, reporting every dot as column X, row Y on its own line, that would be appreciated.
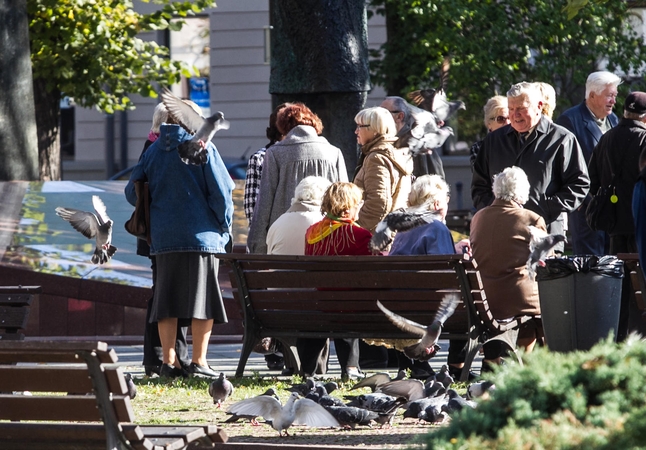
column 581, row 400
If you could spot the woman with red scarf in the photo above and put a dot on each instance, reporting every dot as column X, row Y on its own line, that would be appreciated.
column 336, row 234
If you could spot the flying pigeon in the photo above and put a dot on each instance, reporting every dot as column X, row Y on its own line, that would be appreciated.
column 296, row 411
column 400, row 220
column 540, row 244
column 193, row 151
column 90, row 225
column 252, row 418
column 410, row 389
column 220, row 389
column 425, row 134
column 427, row 346
column 376, row 380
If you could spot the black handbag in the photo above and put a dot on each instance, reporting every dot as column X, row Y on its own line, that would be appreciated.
column 139, row 223
column 601, row 213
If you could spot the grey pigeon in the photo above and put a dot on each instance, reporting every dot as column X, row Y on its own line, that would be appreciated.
column 369, row 401
column 400, row 220
column 193, row 151
column 433, row 413
column 425, row 134
column 93, row 226
column 303, row 388
column 540, row 244
column 328, row 400
column 318, row 392
column 410, row 389
column 132, row 389
column 415, row 408
column 296, row 411
column 388, row 410
column 220, row 389
column 427, row 346
column 351, row 416
column 331, row 386
column 444, row 377
column 252, row 418
column 376, row 380
column 456, row 403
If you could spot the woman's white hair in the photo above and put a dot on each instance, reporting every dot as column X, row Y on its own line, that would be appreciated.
column 512, row 185
column 160, row 116
column 311, row 190
column 427, row 189
column 378, row 119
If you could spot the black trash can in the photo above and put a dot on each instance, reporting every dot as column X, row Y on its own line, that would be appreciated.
column 580, row 300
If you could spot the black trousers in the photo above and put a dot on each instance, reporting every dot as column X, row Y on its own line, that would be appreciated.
column 153, row 354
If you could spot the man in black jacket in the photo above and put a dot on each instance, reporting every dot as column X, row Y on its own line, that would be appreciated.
column 548, row 153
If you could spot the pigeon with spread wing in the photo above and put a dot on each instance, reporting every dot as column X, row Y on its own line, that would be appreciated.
column 540, row 244
column 193, row 151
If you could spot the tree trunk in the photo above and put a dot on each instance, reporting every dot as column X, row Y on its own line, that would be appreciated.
column 48, row 108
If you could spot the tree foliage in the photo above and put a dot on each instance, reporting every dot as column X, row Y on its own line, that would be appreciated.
column 492, row 44
column 92, row 51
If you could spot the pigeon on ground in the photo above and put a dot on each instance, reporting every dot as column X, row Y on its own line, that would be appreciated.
column 427, row 346
column 388, row 411
column 296, row 411
column 252, row 418
column 220, row 389
column 351, row 416
column 132, row 389
column 410, row 389
column 93, row 226
column 330, row 386
column 434, row 388
column 374, row 381
column 433, row 413
column 369, row 401
column 475, row 390
column 318, row 392
column 415, row 408
column 303, row 388
column 456, row 403
column 400, row 220
column 193, row 151
column 540, row 244
column 444, row 377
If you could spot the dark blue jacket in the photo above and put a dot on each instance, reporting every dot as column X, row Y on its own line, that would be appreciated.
column 579, row 120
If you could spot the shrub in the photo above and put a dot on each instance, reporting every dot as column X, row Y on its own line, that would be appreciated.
column 581, row 400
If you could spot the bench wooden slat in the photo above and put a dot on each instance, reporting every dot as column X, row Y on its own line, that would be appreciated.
column 53, row 351
column 15, row 299
column 45, row 379
column 60, row 407
column 285, row 296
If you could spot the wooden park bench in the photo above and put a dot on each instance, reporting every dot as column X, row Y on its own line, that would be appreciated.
column 335, row 297
column 14, row 310
column 70, row 395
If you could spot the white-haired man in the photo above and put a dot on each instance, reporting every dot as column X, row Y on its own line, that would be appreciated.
column 589, row 120
column 548, row 153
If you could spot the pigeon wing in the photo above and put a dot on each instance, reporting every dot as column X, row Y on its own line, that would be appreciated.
column 308, row 412
column 401, row 322
column 264, row 406
column 411, row 389
column 373, row 381
column 100, row 209
column 447, row 307
column 181, row 111
column 84, row 222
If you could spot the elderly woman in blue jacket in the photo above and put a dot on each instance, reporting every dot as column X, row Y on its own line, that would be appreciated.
column 191, row 213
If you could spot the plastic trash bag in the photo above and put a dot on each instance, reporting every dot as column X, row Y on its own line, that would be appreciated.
column 607, row 265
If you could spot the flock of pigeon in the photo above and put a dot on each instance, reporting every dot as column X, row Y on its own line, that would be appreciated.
column 312, row 403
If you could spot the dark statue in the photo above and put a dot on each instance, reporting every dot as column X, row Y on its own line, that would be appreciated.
column 319, row 56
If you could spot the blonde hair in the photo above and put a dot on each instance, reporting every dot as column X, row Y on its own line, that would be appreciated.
column 378, row 119
column 512, row 185
column 340, row 197
column 493, row 107
column 427, row 189
column 549, row 98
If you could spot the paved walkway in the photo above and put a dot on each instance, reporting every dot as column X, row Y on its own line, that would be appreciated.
column 224, row 358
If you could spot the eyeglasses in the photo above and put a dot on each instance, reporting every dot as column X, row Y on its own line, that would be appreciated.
column 394, row 112
column 363, row 126
column 499, row 119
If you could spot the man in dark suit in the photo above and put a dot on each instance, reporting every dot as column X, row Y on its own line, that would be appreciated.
column 589, row 121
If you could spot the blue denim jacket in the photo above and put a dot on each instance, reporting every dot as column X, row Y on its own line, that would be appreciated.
column 191, row 207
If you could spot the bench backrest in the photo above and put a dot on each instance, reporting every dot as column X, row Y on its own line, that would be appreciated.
column 14, row 310
column 317, row 294
column 62, row 392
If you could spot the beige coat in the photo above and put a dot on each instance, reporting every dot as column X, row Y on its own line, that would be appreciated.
column 385, row 177
column 500, row 244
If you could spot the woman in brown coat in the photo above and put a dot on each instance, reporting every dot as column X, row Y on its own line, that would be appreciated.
column 500, row 238
column 384, row 172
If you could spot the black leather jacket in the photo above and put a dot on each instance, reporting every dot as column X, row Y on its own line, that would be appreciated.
column 552, row 159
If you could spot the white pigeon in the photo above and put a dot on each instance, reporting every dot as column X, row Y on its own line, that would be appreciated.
column 193, row 151
column 296, row 411
column 425, row 134
column 93, row 226
column 427, row 346
column 540, row 244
